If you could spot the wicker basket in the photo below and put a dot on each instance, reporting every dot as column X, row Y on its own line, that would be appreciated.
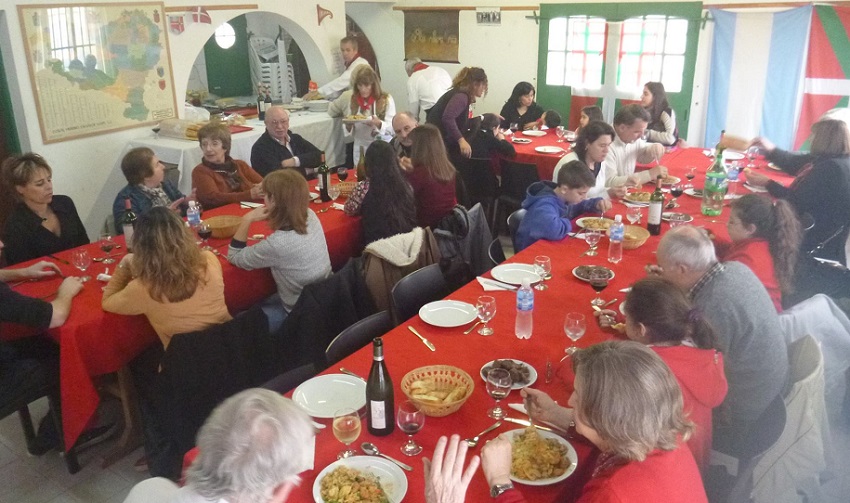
column 223, row 226
column 445, row 378
column 346, row 188
column 634, row 237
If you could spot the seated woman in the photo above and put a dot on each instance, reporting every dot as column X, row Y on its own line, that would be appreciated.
column 660, row 315
column 220, row 179
column 368, row 100
column 146, row 185
column 296, row 252
column 384, row 199
column 432, row 176
column 591, row 147
column 662, row 126
column 520, row 108
column 627, row 403
column 764, row 236
column 40, row 223
column 487, row 140
column 589, row 114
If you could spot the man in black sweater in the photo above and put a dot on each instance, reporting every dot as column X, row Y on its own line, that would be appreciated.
column 279, row 148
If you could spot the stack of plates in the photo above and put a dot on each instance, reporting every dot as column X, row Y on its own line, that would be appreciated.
column 318, row 105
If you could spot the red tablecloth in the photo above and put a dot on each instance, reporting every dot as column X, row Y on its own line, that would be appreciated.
column 545, row 162
column 93, row 342
column 403, row 352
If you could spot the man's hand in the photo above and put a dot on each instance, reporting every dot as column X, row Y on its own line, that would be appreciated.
column 603, row 205
column 405, row 163
column 496, row 460
column 445, row 479
column 658, row 170
column 763, row 144
column 69, row 288
column 288, row 163
column 618, row 192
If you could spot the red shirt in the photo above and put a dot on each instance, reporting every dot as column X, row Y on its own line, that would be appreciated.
column 755, row 254
column 434, row 199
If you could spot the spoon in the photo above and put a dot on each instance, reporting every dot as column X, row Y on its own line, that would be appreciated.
column 470, row 329
column 472, row 442
column 372, row 450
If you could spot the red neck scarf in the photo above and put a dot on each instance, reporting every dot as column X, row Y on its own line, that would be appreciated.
column 419, row 66
column 365, row 103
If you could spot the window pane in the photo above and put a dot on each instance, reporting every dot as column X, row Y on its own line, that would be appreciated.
column 674, row 67
column 677, row 36
column 555, row 69
column 596, row 39
column 558, row 34
column 652, row 49
column 593, row 76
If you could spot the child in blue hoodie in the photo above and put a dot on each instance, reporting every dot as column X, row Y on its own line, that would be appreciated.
column 551, row 207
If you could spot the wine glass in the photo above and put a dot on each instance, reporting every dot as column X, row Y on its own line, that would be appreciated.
column 542, row 266
column 599, row 281
column 486, row 306
column 106, row 245
column 333, row 192
column 592, row 236
column 498, row 386
column 346, row 430
column 574, row 326
column 690, row 175
column 514, row 127
column 342, row 173
column 752, row 152
column 205, row 232
column 81, row 260
column 410, row 419
column 676, row 190
column 633, row 214
column 560, row 132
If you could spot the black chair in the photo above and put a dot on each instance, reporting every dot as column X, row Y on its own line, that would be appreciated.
column 417, row 289
column 497, row 254
column 358, row 335
column 481, row 183
column 514, row 220
column 516, row 178
column 291, row 378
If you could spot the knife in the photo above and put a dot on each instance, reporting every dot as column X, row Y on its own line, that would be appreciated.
column 525, row 422
column 54, row 257
column 424, row 340
column 352, row 374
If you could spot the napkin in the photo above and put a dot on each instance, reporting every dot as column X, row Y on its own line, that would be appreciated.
column 491, row 286
column 104, row 277
column 338, row 206
column 248, row 204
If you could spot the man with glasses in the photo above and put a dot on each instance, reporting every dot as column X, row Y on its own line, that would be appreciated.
column 279, row 148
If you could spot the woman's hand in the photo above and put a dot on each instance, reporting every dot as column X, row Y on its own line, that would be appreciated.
column 763, row 144
column 445, row 479
column 539, row 405
column 606, row 318
column 41, row 269
column 465, row 149
column 376, row 122
column 257, row 191
column 603, row 205
column 496, row 460
column 406, row 164
column 756, row 179
column 175, row 205
column 257, row 214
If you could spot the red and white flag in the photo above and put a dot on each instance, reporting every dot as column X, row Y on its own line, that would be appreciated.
column 200, row 15
column 176, row 24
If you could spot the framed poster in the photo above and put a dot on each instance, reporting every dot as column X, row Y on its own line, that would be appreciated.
column 96, row 68
column 431, row 35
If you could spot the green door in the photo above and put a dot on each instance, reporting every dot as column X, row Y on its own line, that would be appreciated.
column 602, row 54
column 228, row 70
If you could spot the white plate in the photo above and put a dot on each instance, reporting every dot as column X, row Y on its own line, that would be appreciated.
column 691, row 193
column 635, row 202
column 666, row 216
column 571, row 454
column 670, row 180
column 610, row 275
column 515, row 273
column 323, row 395
column 731, row 155
column 356, row 121
column 546, row 149
column 580, row 221
column 393, row 481
column 523, row 141
column 534, row 132
column 313, row 195
column 448, row 313
column 623, row 308
column 753, row 188
column 532, row 374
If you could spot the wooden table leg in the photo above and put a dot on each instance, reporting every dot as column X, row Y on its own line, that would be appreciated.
column 131, row 437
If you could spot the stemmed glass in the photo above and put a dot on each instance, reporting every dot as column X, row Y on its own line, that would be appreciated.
column 333, row 192
column 514, row 127
column 542, row 266
column 342, row 173
column 752, row 152
column 574, row 326
column 560, row 132
column 498, row 386
column 486, row 306
column 676, row 190
column 690, row 175
column 633, row 214
column 81, row 260
column 106, row 245
column 410, row 419
column 204, row 232
column 346, row 430
column 592, row 236
column 599, row 281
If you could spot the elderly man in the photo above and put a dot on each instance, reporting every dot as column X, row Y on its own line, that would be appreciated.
column 736, row 304
column 403, row 124
column 279, row 148
column 629, row 148
column 252, row 448
column 425, row 85
column 352, row 59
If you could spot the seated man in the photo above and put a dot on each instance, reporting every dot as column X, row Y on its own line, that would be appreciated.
column 551, row 207
column 403, row 124
column 279, row 148
column 251, row 448
column 629, row 148
column 736, row 304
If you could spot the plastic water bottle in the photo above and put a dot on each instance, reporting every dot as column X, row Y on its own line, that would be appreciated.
column 193, row 216
column 732, row 178
column 615, row 240
column 524, row 308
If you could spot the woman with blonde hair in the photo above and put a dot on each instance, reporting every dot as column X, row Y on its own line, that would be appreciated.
column 220, row 179
column 432, row 176
column 452, row 111
column 296, row 252
column 369, row 100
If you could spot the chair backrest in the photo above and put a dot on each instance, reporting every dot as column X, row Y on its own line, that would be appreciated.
column 358, row 335
column 291, row 378
column 478, row 176
column 516, row 177
column 514, row 220
column 417, row 289
column 497, row 254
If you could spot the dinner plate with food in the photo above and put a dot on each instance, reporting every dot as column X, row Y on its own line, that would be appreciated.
column 641, row 198
column 515, row 273
column 356, row 119
column 670, row 180
column 522, row 374
column 522, row 141
column 448, row 313
column 698, row 193
column 548, row 149
column 582, row 272
column 594, row 223
column 377, row 480
column 534, row 132
column 540, row 458
column 667, row 215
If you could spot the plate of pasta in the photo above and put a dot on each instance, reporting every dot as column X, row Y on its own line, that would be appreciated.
column 540, row 458
column 360, row 479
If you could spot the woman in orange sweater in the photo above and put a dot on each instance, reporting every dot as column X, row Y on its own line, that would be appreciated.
column 220, row 179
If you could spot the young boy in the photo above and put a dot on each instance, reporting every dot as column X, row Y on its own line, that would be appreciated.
column 551, row 207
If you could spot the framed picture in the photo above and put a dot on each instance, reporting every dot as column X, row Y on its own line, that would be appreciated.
column 431, row 35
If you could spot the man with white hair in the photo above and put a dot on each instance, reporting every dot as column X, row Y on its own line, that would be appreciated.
column 425, row 85
column 733, row 300
column 280, row 148
column 403, row 124
column 251, row 449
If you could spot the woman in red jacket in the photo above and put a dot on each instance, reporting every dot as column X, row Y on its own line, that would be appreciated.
column 432, row 177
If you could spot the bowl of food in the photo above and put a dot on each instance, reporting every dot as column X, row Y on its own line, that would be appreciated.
column 634, row 237
column 223, row 226
column 439, row 390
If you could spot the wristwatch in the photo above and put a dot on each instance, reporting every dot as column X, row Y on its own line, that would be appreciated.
column 498, row 489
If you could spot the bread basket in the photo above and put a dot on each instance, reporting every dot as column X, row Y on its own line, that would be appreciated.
column 346, row 188
column 441, row 378
column 223, row 226
column 634, row 237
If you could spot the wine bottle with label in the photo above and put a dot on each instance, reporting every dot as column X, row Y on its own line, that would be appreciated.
column 128, row 223
column 656, row 206
column 324, row 174
column 380, row 408
column 261, row 105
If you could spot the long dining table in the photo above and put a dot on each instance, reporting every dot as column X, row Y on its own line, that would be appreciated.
column 94, row 343
column 529, row 150
column 565, row 293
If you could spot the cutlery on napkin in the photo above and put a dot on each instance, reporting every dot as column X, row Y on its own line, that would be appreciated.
column 338, row 206
column 490, row 285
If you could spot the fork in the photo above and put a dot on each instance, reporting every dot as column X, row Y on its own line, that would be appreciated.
column 323, row 210
column 472, row 442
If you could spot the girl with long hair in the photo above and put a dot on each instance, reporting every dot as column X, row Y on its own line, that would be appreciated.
column 521, row 108
column 432, row 176
column 452, row 111
column 662, row 124
column 369, row 100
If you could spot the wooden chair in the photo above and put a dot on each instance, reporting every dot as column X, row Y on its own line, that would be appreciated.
column 358, row 335
column 417, row 289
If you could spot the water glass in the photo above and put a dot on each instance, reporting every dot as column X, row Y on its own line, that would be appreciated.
column 498, row 386
column 752, row 152
column 346, row 428
column 592, row 236
column 486, row 306
column 574, row 326
column 633, row 214
column 333, row 192
column 410, row 419
column 81, row 260
column 542, row 266
column 560, row 132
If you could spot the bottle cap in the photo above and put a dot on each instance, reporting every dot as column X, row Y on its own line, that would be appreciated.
column 526, row 283
column 618, row 218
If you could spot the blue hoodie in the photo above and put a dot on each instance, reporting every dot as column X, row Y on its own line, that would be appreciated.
column 548, row 216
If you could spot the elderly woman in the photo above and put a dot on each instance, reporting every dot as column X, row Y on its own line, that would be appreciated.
column 40, row 223
column 368, row 100
column 220, row 179
column 146, row 185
